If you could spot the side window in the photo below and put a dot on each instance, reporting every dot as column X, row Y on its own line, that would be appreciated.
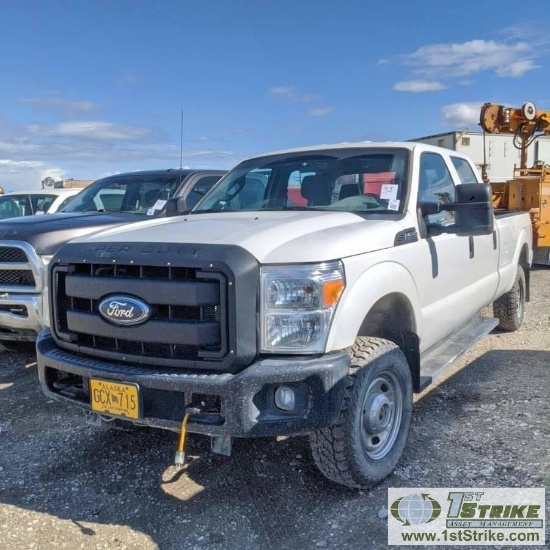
column 465, row 172
column 436, row 185
column 199, row 189
column 64, row 203
column 41, row 203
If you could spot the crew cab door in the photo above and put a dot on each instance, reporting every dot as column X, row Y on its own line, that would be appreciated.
column 485, row 248
column 457, row 278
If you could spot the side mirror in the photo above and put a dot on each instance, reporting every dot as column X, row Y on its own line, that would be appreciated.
column 473, row 211
column 175, row 206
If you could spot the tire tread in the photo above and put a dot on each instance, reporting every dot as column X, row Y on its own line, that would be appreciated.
column 505, row 308
column 329, row 445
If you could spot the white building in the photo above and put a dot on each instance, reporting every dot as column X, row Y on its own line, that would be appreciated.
column 500, row 152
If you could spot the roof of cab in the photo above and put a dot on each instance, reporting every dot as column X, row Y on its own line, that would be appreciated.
column 167, row 172
column 410, row 145
column 46, row 191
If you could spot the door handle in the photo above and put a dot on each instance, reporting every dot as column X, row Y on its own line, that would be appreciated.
column 471, row 240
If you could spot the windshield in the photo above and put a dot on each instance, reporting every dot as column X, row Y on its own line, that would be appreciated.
column 352, row 180
column 137, row 194
column 15, row 206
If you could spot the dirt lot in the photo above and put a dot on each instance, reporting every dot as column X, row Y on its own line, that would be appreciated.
column 66, row 485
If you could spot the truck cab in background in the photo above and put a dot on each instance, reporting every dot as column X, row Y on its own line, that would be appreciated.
column 311, row 291
column 34, row 203
column 28, row 244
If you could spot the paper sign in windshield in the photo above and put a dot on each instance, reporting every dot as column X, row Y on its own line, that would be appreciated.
column 388, row 191
column 159, row 205
column 393, row 204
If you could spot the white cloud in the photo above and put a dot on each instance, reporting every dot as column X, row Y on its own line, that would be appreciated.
column 128, row 78
column 291, row 94
column 204, row 153
column 22, row 175
column 462, row 114
column 466, row 58
column 524, row 32
column 85, row 150
column 320, row 111
column 418, row 86
column 516, row 69
column 68, row 106
column 310, row 98
column 55, row 173
column 14, row 166
column 282, row 91
column 98, row 131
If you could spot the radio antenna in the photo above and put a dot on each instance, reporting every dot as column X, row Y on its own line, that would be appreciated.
column 181, row 145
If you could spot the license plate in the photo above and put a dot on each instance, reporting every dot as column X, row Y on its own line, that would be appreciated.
column 114, row 398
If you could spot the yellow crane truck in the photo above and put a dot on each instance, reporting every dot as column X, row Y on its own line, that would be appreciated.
column 529, row 190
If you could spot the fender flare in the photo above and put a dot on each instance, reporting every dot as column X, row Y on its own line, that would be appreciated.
column 363, row 292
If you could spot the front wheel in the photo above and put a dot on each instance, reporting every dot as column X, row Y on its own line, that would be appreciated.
column 365, row 443
column 509, row 309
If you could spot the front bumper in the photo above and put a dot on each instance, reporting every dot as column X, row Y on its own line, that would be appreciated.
column 238, row 405
column 20, row 316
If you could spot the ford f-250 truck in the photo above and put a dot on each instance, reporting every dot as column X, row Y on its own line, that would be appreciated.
column 28, row 244
column 256, row 316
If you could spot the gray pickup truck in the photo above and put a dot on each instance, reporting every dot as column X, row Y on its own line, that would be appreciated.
column 28, row 244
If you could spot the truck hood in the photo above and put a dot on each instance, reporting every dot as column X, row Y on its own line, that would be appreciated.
column 272, row 237
column 49, row 232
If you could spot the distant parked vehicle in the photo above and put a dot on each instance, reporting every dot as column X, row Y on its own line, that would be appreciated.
column 28, row 244
column 30, row 203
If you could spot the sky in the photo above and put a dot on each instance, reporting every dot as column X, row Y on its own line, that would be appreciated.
column 93, row 88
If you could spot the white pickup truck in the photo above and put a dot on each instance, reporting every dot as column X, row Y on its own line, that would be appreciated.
column 311, row 291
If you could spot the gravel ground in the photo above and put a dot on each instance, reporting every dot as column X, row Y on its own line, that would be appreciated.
column 66, row 485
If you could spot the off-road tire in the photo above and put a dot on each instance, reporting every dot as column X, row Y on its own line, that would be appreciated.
column 339, row 451
column 509, row 309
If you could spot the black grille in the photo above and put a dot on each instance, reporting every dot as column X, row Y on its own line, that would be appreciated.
column 16, row 277
column 12, row 255
column 188, row 322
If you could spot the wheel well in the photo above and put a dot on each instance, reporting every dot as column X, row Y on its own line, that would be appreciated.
column 392, row 318
column 524, row 262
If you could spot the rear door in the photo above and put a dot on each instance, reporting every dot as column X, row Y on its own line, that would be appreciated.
column 452, row 269
column 485, row 248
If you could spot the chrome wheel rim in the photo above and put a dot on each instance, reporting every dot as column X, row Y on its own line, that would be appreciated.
column 381, row 414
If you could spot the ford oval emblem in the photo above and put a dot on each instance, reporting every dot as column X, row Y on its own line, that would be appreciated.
column 124, row 310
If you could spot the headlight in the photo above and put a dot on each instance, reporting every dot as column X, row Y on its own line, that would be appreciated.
column 298, row 303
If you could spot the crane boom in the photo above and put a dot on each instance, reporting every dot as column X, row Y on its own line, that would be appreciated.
column 525, row 122
column 529, row 190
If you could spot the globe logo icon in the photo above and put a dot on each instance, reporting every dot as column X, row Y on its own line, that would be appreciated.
column 416, row 509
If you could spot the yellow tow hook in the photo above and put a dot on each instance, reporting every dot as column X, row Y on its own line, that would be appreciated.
column 180, row 453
